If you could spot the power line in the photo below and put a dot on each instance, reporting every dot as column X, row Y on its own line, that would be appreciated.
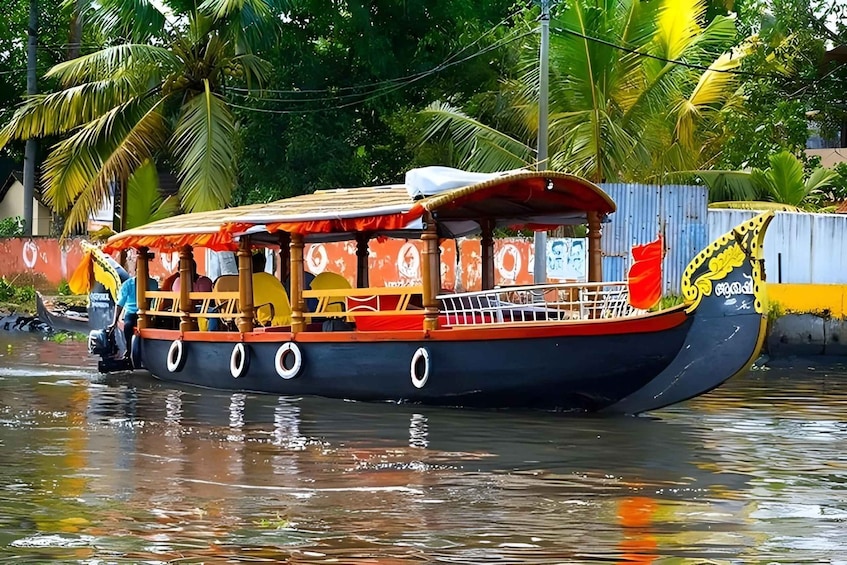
column 679, row 62
column 443, row 64
column 382, row 91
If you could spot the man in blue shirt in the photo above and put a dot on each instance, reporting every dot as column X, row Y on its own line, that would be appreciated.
column 128, row 304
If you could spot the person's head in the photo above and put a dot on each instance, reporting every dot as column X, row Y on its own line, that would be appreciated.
column 193, row 265
column 258, row 262
column 558, row 247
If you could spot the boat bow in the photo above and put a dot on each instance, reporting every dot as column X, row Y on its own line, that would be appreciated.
column 725, row 293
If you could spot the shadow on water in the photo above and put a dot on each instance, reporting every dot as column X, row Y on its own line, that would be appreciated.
column 126, row 469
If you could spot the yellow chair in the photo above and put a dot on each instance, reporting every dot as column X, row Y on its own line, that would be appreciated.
column 331, row 281
column 270, row 300
column 226, row 283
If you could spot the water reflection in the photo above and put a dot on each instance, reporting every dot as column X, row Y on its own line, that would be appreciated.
column 127, row 469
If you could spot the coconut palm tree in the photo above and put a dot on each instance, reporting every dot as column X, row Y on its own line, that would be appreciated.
column 634, row 85
column 158, row 96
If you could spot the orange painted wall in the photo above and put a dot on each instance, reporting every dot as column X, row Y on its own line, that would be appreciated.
column 46, row 263
column 392, row 262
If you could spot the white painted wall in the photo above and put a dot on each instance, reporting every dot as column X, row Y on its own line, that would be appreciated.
column 13, row 205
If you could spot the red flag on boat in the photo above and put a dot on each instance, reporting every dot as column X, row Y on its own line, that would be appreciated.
column 645, row 274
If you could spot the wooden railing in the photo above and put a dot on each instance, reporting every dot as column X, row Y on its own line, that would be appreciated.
column 218, row 304
column 351, row 303
column 505, row 305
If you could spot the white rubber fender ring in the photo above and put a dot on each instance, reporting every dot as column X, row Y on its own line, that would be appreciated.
column 176, row 356
column 419, row 380
column 286, row 349
column 239, row 360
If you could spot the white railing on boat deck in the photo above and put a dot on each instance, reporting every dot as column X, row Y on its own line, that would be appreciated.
column 547, row 302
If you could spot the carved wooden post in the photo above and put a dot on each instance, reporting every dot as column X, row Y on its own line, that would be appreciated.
column 595, row 254
column 245, row 286
column 298, row 305
column 487, row 245
column 362, row 276
column 141, row 271
column 284, row 256
column 430, row 273
column 186, row 282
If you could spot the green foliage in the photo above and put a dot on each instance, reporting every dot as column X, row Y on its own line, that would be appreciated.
column 64, row 336
column 668, row 301
column 790, row 80
column 10, row 292
column 12, row 227
column 147, row 202
column 783, row 185
column 52, row 41
column 614, row 114
column 341, row 103
column 64, row 288
column 836, row 193
column 135, row 101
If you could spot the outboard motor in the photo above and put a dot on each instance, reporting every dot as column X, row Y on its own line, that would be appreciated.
column 104, row 344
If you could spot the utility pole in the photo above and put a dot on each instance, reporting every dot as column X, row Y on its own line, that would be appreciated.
column 540, row 241
column 31, row 144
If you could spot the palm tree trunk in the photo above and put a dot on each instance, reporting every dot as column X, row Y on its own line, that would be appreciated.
column 75, row 35
column 31, row 144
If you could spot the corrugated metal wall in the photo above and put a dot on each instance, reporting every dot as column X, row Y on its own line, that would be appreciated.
column 799, row 248
column 645, row 211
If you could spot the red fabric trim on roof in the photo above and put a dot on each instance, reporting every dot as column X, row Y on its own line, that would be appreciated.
column 214, row 241
column 363, row 224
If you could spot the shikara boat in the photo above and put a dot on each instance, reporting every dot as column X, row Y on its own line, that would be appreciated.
column 569, row 346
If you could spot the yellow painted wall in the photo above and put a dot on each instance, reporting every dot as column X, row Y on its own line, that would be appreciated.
column 810, row 298
column 13, row 205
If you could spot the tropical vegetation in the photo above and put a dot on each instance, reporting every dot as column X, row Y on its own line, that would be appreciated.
column 635, row 88
column 251, row 100
column 154, row 95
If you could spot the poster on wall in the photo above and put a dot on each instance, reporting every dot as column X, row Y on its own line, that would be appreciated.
column 566, row 258
column 105, row 215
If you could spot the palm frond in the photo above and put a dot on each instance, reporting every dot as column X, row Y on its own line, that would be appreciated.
column 203, row 144
column 138, row 20
column 144, row 200
column 221, row 9
column 677, row 25
column 723, row 185
column 59, row 112
column 79, row 171
column 479, row 146
column 820, row 178
column 783, row 179
column 713, row 87
column 754, row 205
column 113, row 62
column 254, row 70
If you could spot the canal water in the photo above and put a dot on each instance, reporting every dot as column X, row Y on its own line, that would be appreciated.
column 125, row 469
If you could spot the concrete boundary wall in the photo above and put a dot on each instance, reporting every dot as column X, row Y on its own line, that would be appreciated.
column 800, row 248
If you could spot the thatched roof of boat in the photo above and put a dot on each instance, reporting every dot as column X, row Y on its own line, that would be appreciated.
column 530, row 199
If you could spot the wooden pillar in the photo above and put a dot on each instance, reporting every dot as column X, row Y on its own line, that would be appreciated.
column 284, row 256
column 362, row 277
column 298, row 304
column 245, row 286
column 595, row 254
column 487, row 254
column 186, row 282
column 141, row 270
column 430, row 273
